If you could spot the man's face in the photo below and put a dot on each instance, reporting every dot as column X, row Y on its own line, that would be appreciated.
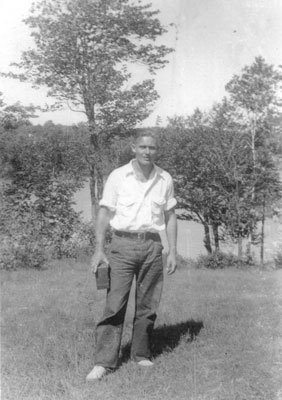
column 145, row 150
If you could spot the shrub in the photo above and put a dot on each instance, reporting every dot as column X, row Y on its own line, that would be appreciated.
column 278, row 249
column 31, row 248
column 81, row 241
column 24, row 254
column 278, row 254
column 217, row 260
column 278, row 260
column 38, row 227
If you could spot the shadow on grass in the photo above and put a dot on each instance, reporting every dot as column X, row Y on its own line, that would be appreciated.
column 167, row 337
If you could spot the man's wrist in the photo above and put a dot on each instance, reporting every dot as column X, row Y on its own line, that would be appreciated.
column 172, row 251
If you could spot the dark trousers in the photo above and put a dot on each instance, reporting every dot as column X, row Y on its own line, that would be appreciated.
column 130, row 258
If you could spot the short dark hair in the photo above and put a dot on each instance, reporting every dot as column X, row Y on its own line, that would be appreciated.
column 145, row 132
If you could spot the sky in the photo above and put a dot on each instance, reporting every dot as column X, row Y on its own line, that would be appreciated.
column 213, row 40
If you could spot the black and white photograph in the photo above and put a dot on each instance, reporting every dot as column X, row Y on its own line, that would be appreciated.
column 141, row 199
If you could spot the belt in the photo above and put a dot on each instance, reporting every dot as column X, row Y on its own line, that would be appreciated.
column 139, row 235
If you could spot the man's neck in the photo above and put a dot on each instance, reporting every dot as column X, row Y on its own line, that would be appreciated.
column 144, row 170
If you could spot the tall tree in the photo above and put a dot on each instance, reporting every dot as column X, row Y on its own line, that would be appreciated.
column 211, row 160
column 83, row 52
column 257, row 91
column 189, row 155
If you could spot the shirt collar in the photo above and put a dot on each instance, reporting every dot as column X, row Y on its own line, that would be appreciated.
column 129, row 169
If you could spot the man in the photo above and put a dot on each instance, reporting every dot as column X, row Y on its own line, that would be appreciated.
column 138, row 202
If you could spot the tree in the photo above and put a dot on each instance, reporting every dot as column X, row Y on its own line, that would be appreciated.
column 257, row 92
column 54, row 148
column 83, row 52
column 42, row 168
column 268, row 191
column 189, row 156
column 211, row 161
column 14, row 115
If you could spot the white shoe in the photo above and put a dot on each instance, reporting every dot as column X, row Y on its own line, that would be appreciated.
column 97, row 373
column 145, row 363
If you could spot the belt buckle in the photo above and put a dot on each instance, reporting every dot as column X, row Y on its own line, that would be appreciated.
column 141, row 235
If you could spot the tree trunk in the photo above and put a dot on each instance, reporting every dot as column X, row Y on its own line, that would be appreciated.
column 216, row 236
column 96, row 175
column 207, row 238
column 99, row 182
column 96, row 188
column 97, row 144
column 253, row 147
column 93, row 196
column 262, row 232
column 240, row 247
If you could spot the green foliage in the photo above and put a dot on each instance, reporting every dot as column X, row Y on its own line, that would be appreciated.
column 217, row 260
column 28, row 252
column 35, row 231
column 82, row 51
column 80, row 243
column 37, row 153
column 15, row 115
column 43, row 166
column 225, row 173
column 22, row 244
column 207, row 160
column 278, row 249
column 257, row 95
column 257, row 87
column 278, row 260
column 37, row 228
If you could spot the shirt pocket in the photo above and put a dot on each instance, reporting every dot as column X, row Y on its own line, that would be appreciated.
column 126, row 206
column 158, row 205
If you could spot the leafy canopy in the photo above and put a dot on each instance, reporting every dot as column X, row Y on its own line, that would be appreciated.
column 257, row 88
column 83, row 50
column 15, row 115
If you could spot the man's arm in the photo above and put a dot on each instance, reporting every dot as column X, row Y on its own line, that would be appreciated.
column 171, row 230
column 102, row 224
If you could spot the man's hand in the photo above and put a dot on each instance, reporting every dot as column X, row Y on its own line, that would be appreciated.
column 98, row 258
column 171, row 230
column 171, row 264
column 102, row 223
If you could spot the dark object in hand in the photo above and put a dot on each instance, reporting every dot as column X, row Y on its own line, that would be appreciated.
column 103, row 276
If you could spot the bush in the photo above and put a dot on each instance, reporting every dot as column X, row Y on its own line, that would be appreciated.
column 81, row 242
column 217, row 260
column 22, row 244
column 24, row 254
column 278, row 260
column 38, row 228
column 278, row 249
column 32, row 249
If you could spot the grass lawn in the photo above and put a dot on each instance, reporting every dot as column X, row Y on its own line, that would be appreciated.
column 218, row 336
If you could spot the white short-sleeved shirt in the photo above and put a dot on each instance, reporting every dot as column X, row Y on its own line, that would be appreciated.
column 137, row 205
